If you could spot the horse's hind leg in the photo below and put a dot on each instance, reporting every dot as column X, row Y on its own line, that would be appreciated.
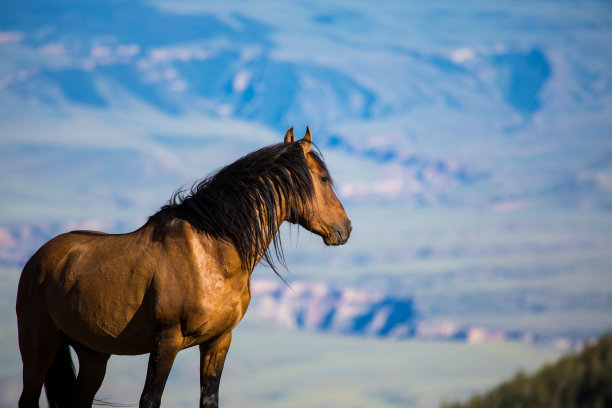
column 92, row 368
column 39, row 342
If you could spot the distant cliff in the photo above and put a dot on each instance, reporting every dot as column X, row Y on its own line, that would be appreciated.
column 361, row 312
column 341, row 310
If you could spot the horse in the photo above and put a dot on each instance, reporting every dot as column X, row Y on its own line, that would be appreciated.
column 181, row 280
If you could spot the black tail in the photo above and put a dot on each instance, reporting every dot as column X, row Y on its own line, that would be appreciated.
column 60, row 383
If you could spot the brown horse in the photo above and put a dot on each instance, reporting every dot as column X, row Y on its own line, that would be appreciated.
column 182, row 279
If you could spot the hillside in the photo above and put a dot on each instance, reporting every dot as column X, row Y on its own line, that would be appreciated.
column 578, row 380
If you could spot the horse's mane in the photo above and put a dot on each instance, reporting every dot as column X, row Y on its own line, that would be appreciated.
column 239, row 203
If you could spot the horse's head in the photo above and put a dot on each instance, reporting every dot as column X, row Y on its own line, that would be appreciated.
column 325, row 215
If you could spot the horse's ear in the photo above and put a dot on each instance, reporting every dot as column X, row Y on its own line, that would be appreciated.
column 289, row 135
column 306, row 142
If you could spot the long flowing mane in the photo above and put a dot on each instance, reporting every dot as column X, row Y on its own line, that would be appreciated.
column 240, row 203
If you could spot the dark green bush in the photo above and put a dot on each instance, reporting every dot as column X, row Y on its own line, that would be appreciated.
column 582, row 380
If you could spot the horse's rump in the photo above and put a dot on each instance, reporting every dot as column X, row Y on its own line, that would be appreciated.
column 92, row 285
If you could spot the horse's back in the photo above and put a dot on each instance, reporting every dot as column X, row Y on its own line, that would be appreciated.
column 46, row 259
column 52, row 254
column 88, row 232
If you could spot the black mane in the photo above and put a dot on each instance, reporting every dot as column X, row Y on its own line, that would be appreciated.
column 239, row 203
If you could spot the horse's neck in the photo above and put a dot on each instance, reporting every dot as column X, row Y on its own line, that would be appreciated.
column 280, row 217
column 228, row 254
column 163, row 228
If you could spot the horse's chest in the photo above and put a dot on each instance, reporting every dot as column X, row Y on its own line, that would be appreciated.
column 214, row 315
column 219, row 293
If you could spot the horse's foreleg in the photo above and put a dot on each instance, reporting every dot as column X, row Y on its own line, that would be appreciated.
column 166, row 346
column 212, row 359
column 92, row 368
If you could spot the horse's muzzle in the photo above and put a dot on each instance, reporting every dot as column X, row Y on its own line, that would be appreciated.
column 339, row 235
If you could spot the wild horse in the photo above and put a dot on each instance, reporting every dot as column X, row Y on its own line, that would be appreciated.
column 182, row 279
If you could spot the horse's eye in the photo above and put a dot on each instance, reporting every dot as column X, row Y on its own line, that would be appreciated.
column 324, row 179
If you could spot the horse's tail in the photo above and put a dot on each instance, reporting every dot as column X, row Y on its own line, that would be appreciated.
column 60, row 382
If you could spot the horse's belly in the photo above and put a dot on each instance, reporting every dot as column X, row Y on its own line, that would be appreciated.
column 122, row 331
column 111, row 334
column 107, row 316
column 129, row 342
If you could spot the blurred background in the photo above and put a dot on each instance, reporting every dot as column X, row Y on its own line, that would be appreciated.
column 471, row 144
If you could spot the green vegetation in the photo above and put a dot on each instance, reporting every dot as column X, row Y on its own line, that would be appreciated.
column 579, row 380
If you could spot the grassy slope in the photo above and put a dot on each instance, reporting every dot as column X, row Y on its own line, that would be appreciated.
column 578, row 380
